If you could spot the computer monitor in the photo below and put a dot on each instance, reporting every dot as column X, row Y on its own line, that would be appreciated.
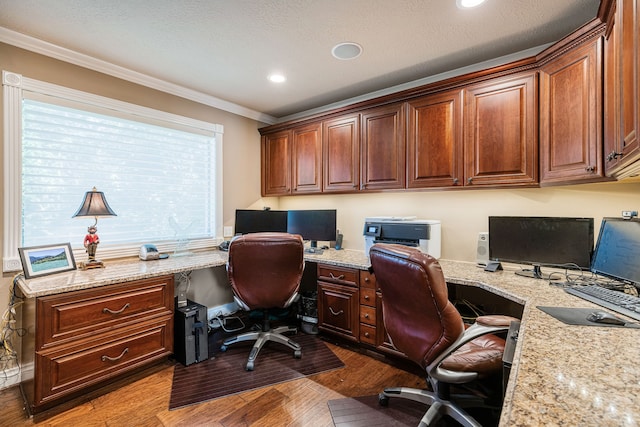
column 258, row 221
column 618, row 250
column 313, row 225
column 550, row 241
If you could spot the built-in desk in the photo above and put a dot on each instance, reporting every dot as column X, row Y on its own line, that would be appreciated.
column 561, row 374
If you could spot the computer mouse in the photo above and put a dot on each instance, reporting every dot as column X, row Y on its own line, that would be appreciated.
column 604, row 317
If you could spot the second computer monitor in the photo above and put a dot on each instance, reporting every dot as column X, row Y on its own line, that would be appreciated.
column 313, row 225
column 258, row 221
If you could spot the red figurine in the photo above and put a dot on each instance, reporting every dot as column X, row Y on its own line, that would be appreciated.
column 91, row 241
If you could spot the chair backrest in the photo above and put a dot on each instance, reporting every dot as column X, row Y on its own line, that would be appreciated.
column 265, row 269
column 418, row 316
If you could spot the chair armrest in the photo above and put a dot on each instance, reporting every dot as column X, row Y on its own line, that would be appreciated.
column 496, row 320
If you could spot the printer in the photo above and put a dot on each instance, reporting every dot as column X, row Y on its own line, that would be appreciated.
column 424, row 234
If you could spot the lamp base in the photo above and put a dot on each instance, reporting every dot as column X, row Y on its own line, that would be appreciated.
column 94, row 263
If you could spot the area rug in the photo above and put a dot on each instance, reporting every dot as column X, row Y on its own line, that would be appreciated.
column 365, row 411
column 224, row 373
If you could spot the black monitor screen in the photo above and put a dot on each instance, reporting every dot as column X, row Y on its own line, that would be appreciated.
column 617, row 252
column 257, row 221
column 550, row 241
column 313, row 225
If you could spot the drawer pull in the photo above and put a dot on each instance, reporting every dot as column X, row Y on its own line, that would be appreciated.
column 124, row 307
column 336, row 313
column 366, row 297
column 366, row 316
column 366, row 334
column 115, row 359
column 340, row 277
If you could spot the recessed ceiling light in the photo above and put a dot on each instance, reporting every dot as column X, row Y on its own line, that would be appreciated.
column 347, row 50
column 466, row 4
column 277, row 78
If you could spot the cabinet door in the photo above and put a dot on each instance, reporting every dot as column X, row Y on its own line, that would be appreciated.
column 383, row 148
column 434, row 139
column 306, row 158
column 570, row 116
column 341, row 153
column 276, row 164
column 338, row 310
column 626, row 88
column 500, row 141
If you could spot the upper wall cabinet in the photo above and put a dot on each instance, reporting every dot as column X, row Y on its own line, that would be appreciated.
column 306, row 159
column 382, row 148
column 500, row 125
column 434, row 140
column 622, row 90
column 571, row 116
column 276, row 163
column 341, row 154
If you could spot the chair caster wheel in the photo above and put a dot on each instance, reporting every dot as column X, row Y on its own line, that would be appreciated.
column 249, row 366
column 223, row 347
column 297, row 354
column 383, row 400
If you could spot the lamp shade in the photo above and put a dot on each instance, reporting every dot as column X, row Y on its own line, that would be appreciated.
column 94, row 204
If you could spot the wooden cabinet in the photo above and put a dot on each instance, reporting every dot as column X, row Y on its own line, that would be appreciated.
column 338, row 300
column 306, row 159
column 341, row 154
column 571, row 116
column 622, row 90
column 434, row 141
column 85, row 338
column 292, row 161
column 276, row 163
column 382, row 145
column 500, row 125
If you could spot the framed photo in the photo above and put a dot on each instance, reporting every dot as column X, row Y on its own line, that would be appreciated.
column 42, row 260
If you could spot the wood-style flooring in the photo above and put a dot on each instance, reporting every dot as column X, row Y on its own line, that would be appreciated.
column 145, row 400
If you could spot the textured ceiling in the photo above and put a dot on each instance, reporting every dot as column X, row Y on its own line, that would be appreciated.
column 226, row 48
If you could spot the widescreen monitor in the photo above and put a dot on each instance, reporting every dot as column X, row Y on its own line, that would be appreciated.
column 565, row 242
column 617, row 252
column 313, row 225
column 258, row 221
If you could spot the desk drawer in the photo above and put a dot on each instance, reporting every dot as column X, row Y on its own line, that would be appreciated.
column 368, row 315
column 368, row 280
column 368, row 334
column 333, row 274
column 84, row 313
column 368, row 297
column 70, row 369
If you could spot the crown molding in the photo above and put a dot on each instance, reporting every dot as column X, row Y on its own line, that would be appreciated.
column 53, row 51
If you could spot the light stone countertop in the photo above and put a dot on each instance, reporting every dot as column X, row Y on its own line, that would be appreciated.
column 561, row 374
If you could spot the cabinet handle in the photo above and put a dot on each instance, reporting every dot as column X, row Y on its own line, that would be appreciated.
column 366, row 297
column 613, row 155
column 366, row 279
column 366, row 334
column 455, row 181
column 115, row 359
column 366, row 316
column 335, row 313
column 340, row 277
column 590, row 169
column 124, row 307
column 469, row 180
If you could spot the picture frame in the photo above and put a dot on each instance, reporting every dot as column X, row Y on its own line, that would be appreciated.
column 48, row 259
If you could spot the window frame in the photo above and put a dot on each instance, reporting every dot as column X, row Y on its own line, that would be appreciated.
column 14, row 87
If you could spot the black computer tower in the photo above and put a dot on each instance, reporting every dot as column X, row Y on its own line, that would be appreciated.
column 190, row 344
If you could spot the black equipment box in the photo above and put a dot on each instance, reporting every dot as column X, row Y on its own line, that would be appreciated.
column 190, row 344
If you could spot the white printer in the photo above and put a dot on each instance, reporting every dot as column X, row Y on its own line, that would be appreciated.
column 424, row 234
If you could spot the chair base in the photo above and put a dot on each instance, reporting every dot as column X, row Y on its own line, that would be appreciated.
column 261, row 338
column 438, row 407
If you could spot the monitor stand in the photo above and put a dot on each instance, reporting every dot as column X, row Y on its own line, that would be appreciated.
column 314, row 249
column 535, row 273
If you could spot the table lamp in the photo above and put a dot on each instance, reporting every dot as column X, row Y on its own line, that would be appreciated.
column 95, row 205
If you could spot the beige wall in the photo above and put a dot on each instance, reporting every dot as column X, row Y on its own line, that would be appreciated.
column 464, row 213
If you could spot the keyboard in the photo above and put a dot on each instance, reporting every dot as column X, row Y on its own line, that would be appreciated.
column 617, row 301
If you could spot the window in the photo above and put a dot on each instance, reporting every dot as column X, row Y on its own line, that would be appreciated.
column 160, row 173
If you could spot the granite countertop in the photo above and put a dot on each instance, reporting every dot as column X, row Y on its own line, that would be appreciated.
column 561, row 374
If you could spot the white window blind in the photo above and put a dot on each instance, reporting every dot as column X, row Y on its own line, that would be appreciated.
column 161, row 177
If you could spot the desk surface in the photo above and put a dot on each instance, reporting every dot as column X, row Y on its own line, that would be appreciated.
column 561, row 374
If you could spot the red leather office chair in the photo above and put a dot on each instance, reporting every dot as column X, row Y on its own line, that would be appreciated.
column 265, row 270
column 428, row 329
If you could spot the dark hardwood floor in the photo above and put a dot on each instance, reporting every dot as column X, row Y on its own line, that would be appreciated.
column 145, row 401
